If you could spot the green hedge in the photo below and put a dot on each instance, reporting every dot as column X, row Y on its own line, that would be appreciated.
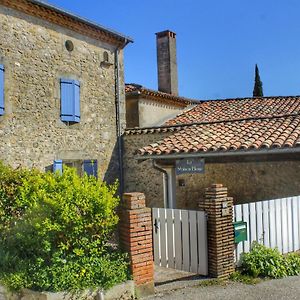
column 54, row 231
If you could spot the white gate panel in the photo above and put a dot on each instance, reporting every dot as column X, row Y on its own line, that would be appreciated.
column 275, row 223
column 180, row 239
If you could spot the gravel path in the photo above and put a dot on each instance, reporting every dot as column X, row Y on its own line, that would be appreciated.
column 287, row 288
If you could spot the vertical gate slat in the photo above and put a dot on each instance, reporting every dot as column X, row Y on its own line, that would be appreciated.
column 259, row 222
column 298, row 205
column 284, row 225
column 156, row 238
column 272, row 225
column 170, row 237
column 193, row 241
column 245, row 208
column 278, row 208
column 295, row 223
column 290, row 224
column 178, row 239
column 238, row 217
column 163, row 237
column 266, row 220
column 185, row 240
column 252, row 222
column 202, row 243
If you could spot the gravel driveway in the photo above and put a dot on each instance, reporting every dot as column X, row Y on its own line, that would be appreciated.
column 287, row 288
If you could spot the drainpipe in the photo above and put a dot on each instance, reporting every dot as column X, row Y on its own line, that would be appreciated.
column 118, row 115
column 166, row 182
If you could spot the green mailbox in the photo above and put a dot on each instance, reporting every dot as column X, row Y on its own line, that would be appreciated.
column 240, row 231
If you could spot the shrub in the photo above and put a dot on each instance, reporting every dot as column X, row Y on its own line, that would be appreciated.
column 55, row 232
column 266, row 262
column 10, row 181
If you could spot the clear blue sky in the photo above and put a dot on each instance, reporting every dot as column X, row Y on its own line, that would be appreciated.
column 218, row 42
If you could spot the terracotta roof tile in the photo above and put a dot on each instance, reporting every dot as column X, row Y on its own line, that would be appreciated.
column 241, row 108
column 276, row 132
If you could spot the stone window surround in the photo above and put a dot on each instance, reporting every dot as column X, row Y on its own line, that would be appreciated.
column 57, row 98
column 9, row 107
column 7, row 103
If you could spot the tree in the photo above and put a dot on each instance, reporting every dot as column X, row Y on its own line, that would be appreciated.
column 258, row 85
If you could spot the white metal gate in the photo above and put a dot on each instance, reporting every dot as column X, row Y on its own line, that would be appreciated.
column 180, row 239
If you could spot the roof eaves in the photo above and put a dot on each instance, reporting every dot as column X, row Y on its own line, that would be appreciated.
column 114, row 33
column 156, row 94
column 220, row 153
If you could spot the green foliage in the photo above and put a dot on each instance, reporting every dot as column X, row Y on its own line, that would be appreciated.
column 258, row 86
column 10, row 180
column 266, row 262
column 54, row 231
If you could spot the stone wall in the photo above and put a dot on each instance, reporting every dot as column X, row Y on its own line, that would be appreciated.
column 246, row 181
column 35, row 58
column 140, row 175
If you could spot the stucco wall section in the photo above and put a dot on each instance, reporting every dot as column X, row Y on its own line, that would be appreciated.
column 152, row 113
column 246, row 181
column 141, row 112
column 35, row 58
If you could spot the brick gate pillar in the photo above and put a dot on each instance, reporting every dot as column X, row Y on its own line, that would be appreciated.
column 136, row 239
column 220, row 235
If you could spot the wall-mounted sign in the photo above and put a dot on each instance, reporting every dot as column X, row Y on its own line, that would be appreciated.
column 189, row 165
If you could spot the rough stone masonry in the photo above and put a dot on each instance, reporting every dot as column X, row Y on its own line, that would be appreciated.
column 34, row 55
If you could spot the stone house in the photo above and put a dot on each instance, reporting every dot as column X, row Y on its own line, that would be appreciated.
column 251, row 145
column 62, row 98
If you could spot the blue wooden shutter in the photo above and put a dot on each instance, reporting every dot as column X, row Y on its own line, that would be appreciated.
column 90, row 167
column 76, row 101
column 70, row 100
column 58, row 166
column 1, row 90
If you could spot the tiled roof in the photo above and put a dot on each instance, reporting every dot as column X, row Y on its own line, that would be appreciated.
column 250, row 134
column 242, row 108
column 135, row 89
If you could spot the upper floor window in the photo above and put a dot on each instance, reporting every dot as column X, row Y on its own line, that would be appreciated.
column 1, row 90
column 70, row 100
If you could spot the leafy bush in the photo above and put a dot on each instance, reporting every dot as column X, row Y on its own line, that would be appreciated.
column 266, row 262
column 54, row 231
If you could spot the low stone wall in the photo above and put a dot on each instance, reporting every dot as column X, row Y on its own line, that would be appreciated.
column 123, row 291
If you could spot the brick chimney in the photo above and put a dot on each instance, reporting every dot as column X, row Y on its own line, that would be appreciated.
column 167, row 62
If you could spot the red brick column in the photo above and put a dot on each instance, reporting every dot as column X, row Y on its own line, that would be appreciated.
column 219, row 209
column 136, row 239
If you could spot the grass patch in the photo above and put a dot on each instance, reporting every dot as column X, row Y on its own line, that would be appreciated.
column 212, row 282
column 246, row 279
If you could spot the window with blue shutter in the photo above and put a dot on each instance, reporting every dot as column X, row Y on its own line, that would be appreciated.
column 70, row 100
column 58, row 166
column 1, row 90
column 90, row 167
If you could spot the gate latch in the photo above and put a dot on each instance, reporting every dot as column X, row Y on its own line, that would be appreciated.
column 156, row 225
